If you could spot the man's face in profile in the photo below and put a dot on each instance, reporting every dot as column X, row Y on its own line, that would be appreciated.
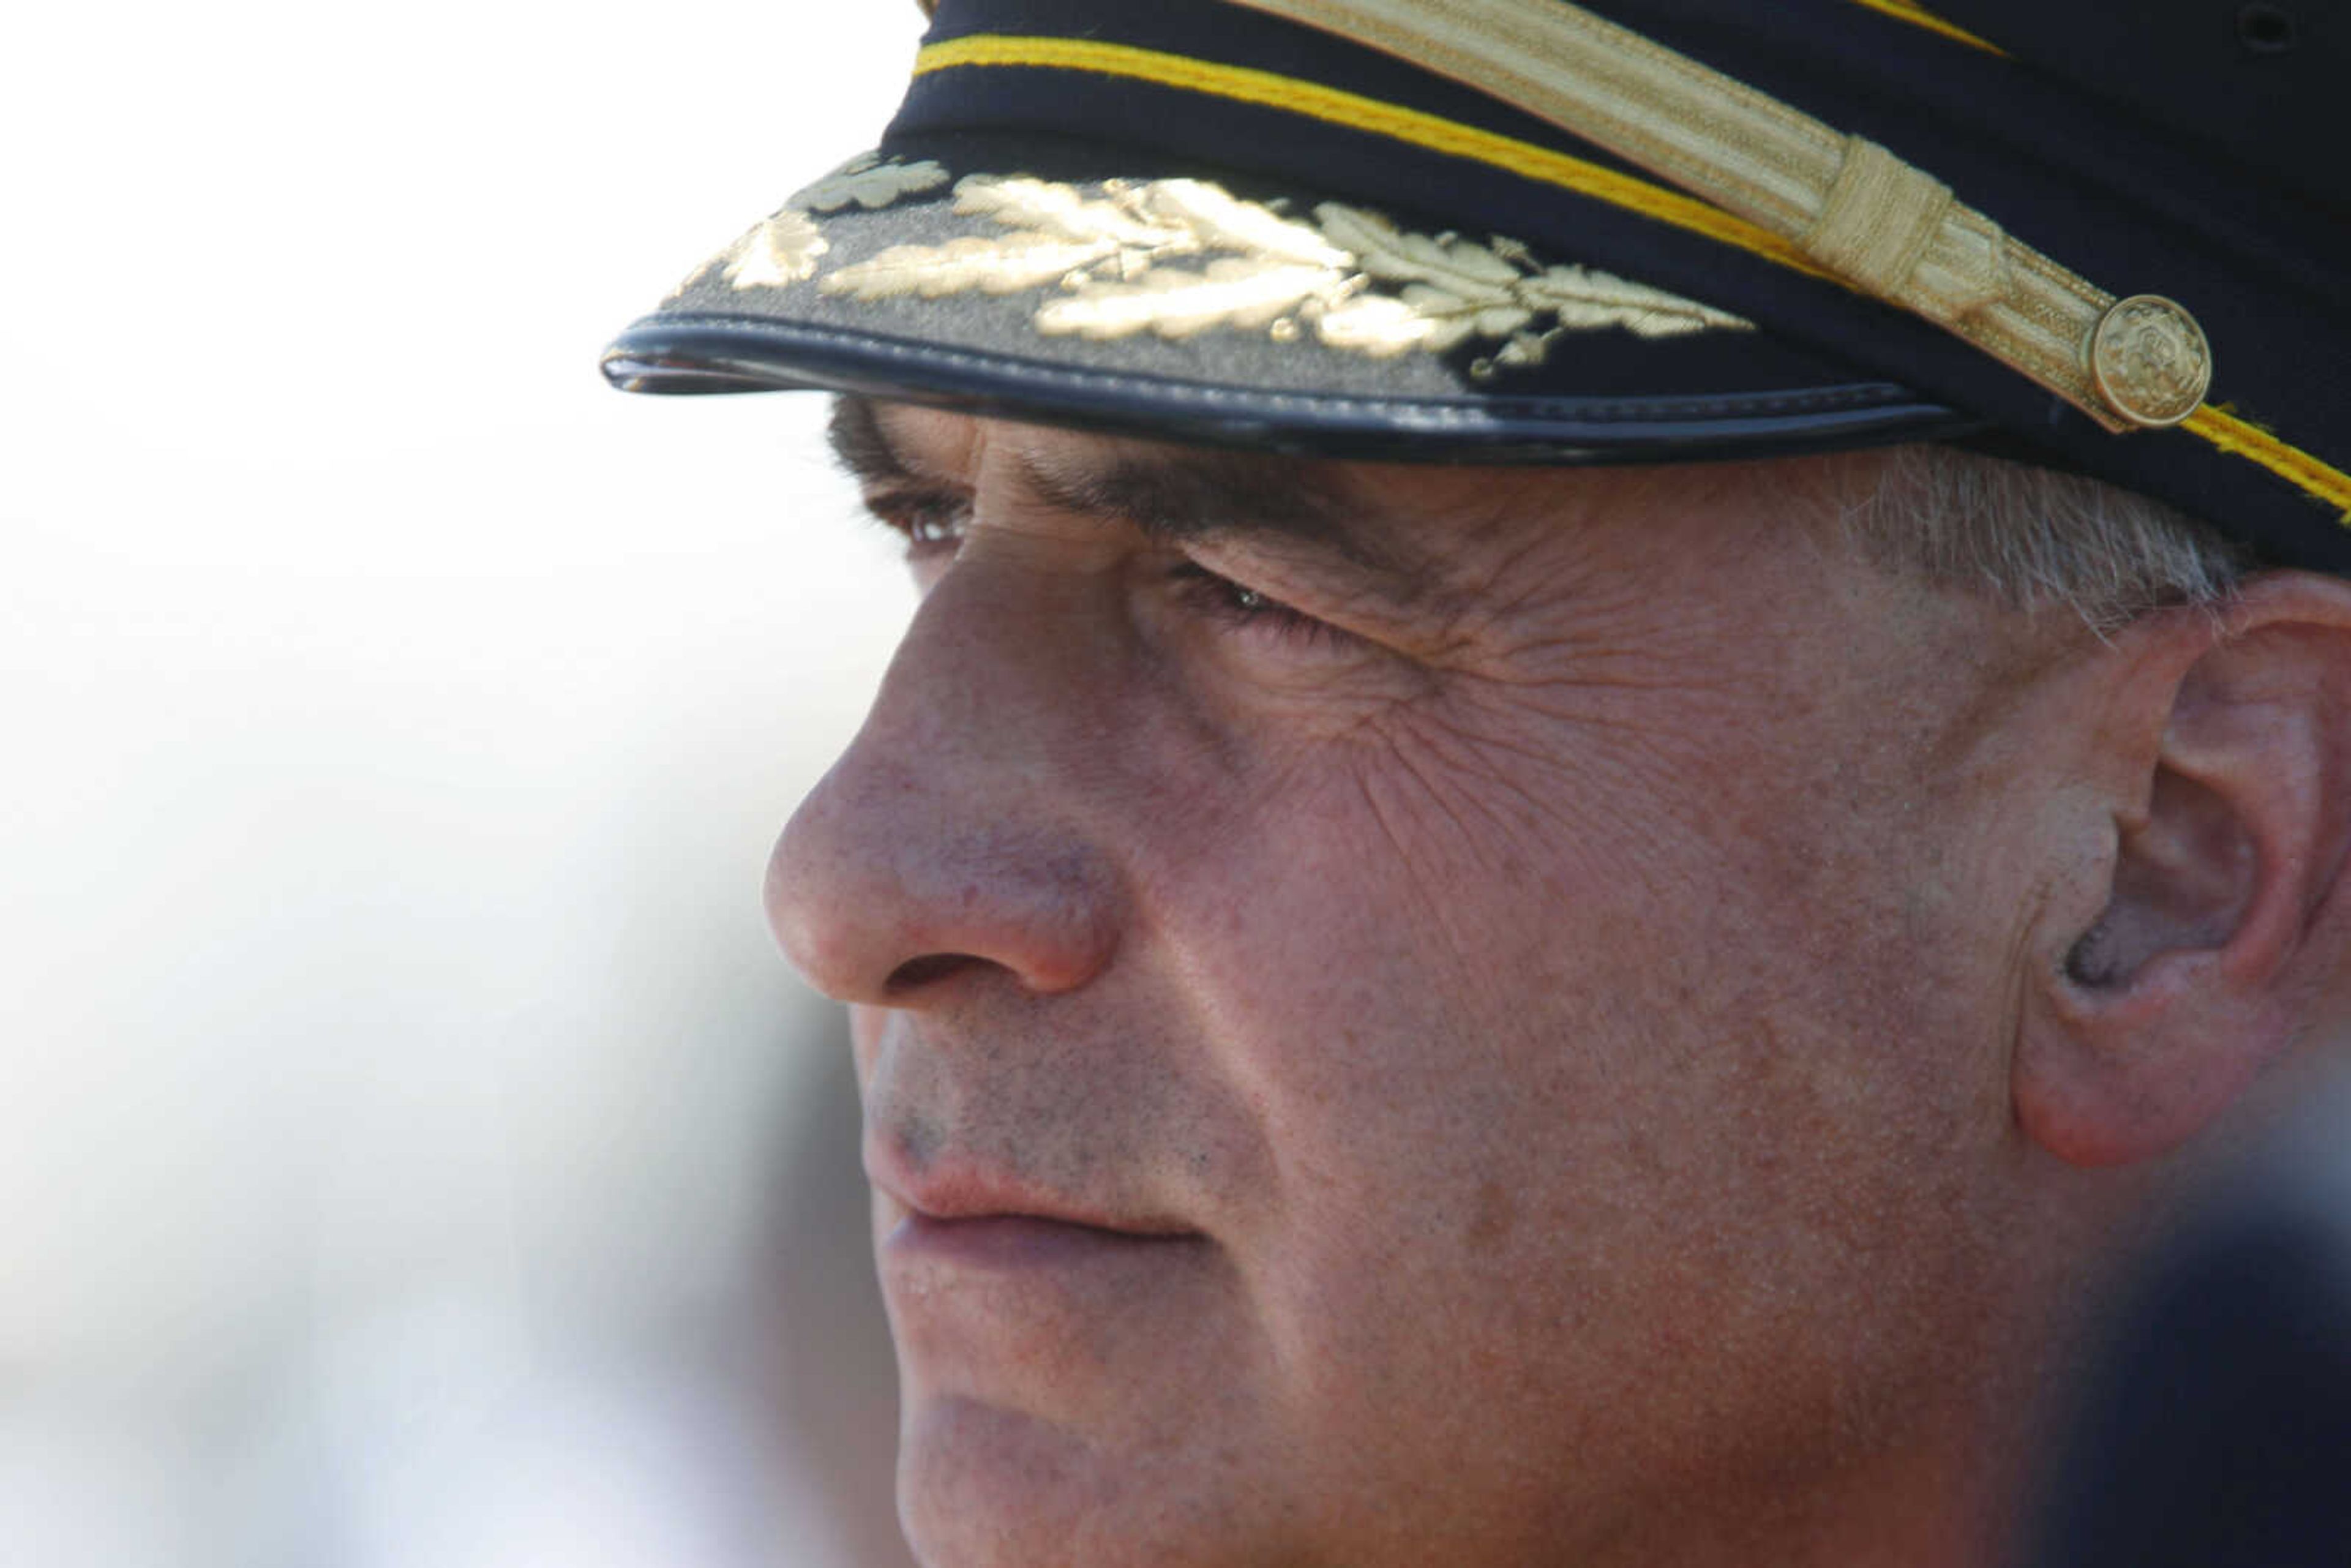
column 1403, row 1005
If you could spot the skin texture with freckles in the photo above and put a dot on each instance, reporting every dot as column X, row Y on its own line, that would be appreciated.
column 1512, row 1007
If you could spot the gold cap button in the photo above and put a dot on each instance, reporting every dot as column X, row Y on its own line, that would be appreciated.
column 2150, row 360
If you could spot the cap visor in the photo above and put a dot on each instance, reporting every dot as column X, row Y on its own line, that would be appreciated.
column 1033, row 278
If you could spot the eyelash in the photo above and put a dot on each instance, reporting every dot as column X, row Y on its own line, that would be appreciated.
column 932, row 526
column 1238, row 605
column 927, row 524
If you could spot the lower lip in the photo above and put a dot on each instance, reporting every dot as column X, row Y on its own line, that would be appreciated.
column 1015, row 1241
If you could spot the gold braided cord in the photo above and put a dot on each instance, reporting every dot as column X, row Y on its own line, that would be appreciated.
column 1920, row 16
column 1747, row 152
column 1315, row 101
column 1715, row 136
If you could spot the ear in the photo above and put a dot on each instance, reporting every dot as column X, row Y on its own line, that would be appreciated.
column 2220, row 754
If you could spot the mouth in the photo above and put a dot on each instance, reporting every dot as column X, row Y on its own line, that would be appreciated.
column 956, row 1213
column 1015, row 1242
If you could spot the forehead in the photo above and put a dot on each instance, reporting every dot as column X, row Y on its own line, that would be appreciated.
column 1430, row 526
column 880, row 440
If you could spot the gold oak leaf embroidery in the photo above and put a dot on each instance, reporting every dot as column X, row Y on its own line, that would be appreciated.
column 1248, row 292
column 1178, row 257
column 1453, row 289
column 870, row 182
column 784, row 249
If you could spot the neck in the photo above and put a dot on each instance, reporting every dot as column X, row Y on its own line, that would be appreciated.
column 1939, row 1473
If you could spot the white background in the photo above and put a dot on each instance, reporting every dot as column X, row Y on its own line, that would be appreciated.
column 396, row 719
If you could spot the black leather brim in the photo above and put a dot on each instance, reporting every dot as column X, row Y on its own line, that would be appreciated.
column 682, row 353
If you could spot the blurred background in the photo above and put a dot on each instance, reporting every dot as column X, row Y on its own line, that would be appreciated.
column 411, row 1151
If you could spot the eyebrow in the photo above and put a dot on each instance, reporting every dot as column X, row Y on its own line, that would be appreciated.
column 1171, row 494
column 860, row 449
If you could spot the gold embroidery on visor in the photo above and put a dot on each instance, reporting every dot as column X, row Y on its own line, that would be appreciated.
column 785, row 249
column 1178, row 257
column 869, row 183
column 780, row 251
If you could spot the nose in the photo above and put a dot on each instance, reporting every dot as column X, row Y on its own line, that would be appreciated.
column 949, row 840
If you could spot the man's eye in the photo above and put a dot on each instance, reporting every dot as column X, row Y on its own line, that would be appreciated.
column 931, row 524
column 1240, row 606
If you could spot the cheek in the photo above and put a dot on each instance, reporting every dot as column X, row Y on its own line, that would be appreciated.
column 1540, row 1047
column 1391, row 994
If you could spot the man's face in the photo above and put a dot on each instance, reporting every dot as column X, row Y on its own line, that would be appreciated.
column 1401, row 1005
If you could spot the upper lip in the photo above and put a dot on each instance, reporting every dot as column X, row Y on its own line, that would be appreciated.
column 951, row 1186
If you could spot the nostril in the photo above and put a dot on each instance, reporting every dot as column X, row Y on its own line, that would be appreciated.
column 929, row 969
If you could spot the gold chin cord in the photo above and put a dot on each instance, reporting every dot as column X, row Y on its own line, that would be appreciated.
column 1889, row 229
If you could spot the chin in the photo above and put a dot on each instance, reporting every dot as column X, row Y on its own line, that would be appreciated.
column 980, row 1486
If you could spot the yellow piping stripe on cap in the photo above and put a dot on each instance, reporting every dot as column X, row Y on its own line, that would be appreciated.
column 1266, row 90
column 1903, row 10
column 2242, row 438
column 2224, row 431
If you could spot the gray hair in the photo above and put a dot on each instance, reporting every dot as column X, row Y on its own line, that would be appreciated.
column 2034, row 539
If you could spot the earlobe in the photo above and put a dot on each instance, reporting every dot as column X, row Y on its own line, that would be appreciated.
column 2228, row 762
